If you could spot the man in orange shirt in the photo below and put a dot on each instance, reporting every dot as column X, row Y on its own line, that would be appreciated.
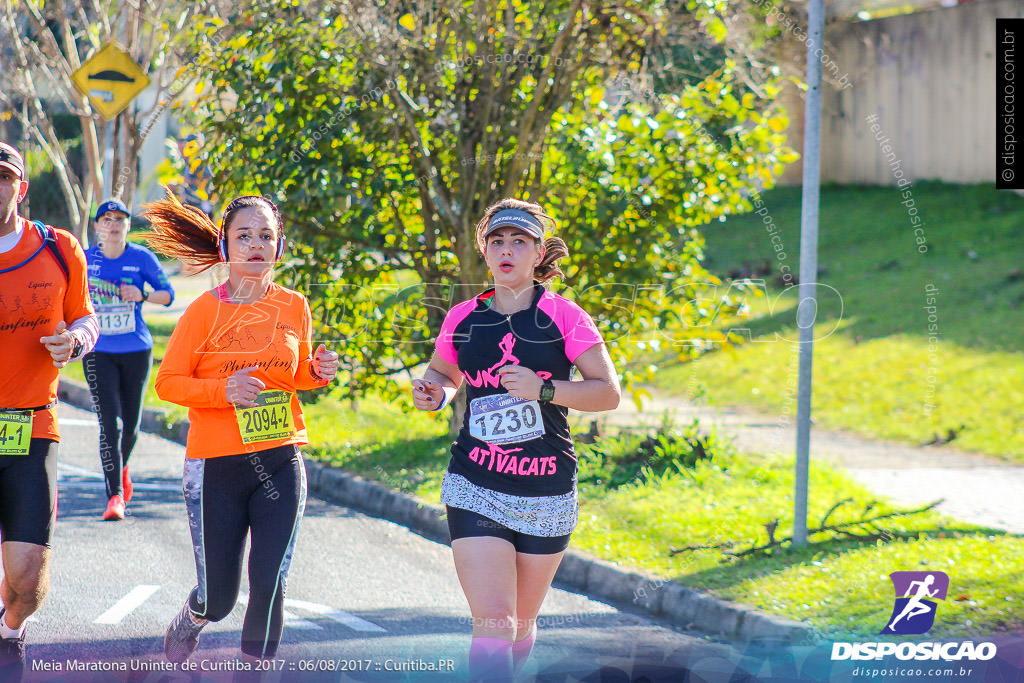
column 46, row 321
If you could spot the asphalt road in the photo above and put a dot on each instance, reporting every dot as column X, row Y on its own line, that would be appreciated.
column 367, row 599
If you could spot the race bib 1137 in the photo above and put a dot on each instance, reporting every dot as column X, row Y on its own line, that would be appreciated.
column 116, row 318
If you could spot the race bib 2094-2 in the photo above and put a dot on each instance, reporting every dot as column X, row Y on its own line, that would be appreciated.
column 269, row 420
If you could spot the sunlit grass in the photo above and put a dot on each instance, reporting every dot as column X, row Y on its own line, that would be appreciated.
column 878, row 372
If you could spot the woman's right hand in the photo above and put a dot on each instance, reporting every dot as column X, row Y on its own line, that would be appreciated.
column 242, row 389
column 427, row 394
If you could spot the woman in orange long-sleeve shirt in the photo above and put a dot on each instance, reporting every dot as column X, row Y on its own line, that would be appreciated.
column 236, row 359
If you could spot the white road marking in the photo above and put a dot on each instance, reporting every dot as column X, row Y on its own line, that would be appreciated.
column 343, row 618
column 350, row 620
column 125, row 605
column 290, row 620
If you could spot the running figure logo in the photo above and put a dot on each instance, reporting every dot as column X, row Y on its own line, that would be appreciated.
column 914, row 610
column 506, row 345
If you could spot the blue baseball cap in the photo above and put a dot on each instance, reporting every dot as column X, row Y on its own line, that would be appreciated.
column 112, row 205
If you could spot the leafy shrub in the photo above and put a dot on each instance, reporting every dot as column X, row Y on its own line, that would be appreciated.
column 635, row 457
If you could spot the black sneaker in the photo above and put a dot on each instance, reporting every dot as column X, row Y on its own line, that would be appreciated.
column 182, row 637
column 12, row 657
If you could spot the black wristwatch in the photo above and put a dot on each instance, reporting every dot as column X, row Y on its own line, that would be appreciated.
column 145, row 295
column 547, row 391
column 76, row 348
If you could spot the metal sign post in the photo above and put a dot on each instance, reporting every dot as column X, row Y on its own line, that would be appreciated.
column 808, row 307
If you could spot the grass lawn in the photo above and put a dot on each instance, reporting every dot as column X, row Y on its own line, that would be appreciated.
column 874, row 371
column 840, row 587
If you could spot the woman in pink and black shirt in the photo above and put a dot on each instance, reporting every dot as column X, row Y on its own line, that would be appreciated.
column 510, row 489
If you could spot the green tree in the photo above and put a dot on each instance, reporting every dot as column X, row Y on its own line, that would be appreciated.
column 385, row 133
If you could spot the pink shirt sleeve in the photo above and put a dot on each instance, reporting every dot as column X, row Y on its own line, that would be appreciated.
column 577, row 327
column 445, row 342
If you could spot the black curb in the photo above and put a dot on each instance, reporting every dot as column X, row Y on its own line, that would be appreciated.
column 663, row 598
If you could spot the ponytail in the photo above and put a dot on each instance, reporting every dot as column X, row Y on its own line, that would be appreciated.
column 555, row 249
column 182, row 232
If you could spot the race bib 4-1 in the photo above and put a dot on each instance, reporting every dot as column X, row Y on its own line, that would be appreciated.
column 15, row 432
column 501, row 419
column 269, row 420
column 116, row 318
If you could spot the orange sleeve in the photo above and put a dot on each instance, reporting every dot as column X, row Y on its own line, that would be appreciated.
column 176, row 381
column 77, row 302
column 303, row 375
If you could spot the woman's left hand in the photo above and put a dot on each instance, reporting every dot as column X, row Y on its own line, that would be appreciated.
column 325, row 363
column 520, row 382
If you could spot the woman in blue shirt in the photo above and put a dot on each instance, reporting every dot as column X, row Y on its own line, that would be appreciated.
column 117, row 370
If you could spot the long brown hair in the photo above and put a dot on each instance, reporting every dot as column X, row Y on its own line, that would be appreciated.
column 186, row 233
column 554, row 247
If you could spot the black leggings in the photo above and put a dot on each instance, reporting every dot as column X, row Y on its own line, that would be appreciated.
column 118, row 383
column 262, row 494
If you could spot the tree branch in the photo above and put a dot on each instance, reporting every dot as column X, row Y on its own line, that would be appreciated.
column 424, row 159
column 526, row 122
column 841, row 530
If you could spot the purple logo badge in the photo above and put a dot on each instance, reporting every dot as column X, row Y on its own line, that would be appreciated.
column 916, row 592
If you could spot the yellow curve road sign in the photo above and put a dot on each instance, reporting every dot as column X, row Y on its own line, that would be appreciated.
column 111, row 79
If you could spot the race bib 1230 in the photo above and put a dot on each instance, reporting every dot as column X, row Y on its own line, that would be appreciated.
column 501, row 419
